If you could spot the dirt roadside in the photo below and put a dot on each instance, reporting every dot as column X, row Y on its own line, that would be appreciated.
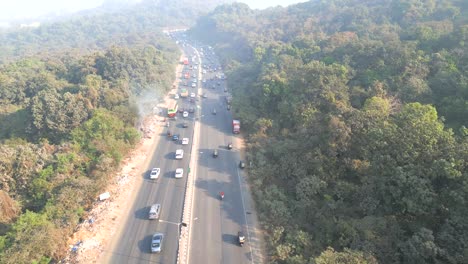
column 105, row 220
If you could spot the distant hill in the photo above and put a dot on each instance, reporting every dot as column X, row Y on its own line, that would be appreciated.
column 98, row 28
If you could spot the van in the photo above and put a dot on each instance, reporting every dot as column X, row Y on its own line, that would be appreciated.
column 154, row 211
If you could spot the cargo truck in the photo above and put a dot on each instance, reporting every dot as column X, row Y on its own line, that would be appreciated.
column 183, row 93
column 235, row 126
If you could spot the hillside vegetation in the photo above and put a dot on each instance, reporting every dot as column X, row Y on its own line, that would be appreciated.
column 355, row 113
column 69, row 113
column 66, row 124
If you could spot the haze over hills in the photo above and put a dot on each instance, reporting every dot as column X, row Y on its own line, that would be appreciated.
column 22, row 12
column 101, row 27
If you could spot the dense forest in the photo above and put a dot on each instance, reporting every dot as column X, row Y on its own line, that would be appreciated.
column 355, row 114
column 101, row 28
column 70, row 104
column 66, row 124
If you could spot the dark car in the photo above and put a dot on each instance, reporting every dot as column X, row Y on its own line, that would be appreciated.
column 181, row 110
column 175, row 137
column 241, row 164
column 215, row 153
column 229, row 146
column 229, row 107
column 191, row 110
column 214, row 112
column 185, row 125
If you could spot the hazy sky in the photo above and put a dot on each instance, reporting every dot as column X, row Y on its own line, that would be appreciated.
column 20, row 9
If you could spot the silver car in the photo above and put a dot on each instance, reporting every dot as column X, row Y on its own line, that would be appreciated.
column 156, row 243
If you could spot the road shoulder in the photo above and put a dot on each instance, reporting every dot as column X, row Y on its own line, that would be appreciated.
column 256, row 233
column 95, row 238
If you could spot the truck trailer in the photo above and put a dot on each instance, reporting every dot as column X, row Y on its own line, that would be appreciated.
column 235, row 126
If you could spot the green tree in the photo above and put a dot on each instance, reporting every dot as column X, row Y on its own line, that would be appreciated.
column 330, row 256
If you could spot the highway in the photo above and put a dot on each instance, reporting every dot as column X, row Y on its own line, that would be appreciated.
column 215, row 223
column 133, row 243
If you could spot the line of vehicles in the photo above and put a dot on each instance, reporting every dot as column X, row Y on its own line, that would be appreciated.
column 172, row 110
column 182, row 103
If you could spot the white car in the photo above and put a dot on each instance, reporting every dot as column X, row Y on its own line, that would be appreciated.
column 155, row 173
column 204, row 80
column 185, row 141
column 185, row 114
column 156, row 243
column 204, row 71
column 179, row 154
column 176, row 96
column 194, row 85
column 192, row 95
column 179, row 173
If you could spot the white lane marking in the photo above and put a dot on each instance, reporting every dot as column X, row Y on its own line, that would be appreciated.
column 245, row 216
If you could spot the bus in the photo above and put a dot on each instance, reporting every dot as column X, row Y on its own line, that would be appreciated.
column 172, row 109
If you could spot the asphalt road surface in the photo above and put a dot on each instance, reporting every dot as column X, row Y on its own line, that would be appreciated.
column 216, row 222
column 133, row 244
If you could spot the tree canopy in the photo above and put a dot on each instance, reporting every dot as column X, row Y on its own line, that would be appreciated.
column 69, row 113
column 355, row 117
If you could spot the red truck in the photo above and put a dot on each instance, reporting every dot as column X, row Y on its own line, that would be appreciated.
column 186, row 62
column 235, row 126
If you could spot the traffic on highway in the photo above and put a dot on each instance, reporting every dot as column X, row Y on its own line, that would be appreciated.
column 218, row 228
